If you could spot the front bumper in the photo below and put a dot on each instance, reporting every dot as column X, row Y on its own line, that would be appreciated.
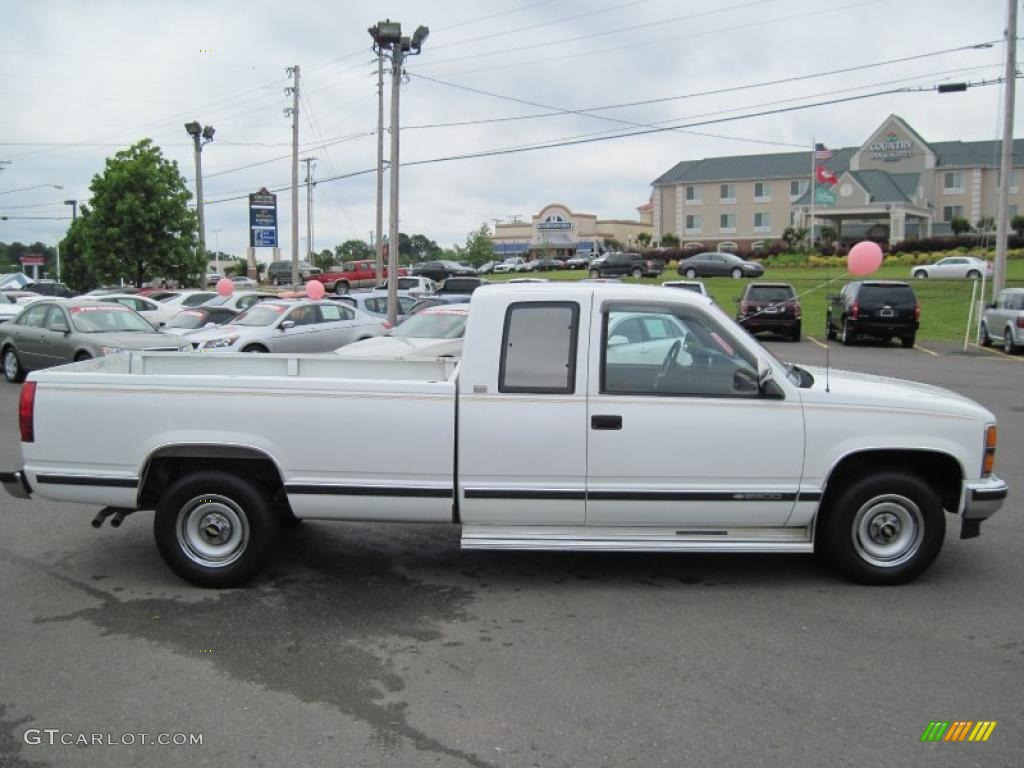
column 980, row 501
column 16, row 484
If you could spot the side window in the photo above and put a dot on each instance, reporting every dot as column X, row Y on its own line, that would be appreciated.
column 405, row 304
column 247, row 301
column 56, row 316
column 1017, row 301
column 538, row 348
column 35, row 317
column 380, row 306
column 688, row 354
column 333, row 313
column 195, row 300
column 303, row 315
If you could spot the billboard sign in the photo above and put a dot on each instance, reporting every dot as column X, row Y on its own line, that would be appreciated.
column 263, row 219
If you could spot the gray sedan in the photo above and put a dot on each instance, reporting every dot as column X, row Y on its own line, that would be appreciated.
column 52, row 333
column 290, row 326
column 717, row 264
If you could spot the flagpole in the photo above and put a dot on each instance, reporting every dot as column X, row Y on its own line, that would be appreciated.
column 813, row 161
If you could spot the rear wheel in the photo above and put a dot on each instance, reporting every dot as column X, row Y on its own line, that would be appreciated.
column 920, row 274
column 638, row 273
column 214, row 529
column 884, row 529
column 13, row 371
column 848, row 334
column 986, row 340
column 737, row 273
column 908, row 341
column 1008, row 346
column 973, row 275
column 82, row 356
column 341, row 288
column 275, row 280
column 794, row 335
column 595, row 273
column 256, row 348
column 690, row 273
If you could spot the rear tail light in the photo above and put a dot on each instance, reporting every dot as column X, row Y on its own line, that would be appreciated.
column 989, row 462
column 797, row 309
column 26, row 412
column 917, row 311
column 1020, row 321
column 855, row 310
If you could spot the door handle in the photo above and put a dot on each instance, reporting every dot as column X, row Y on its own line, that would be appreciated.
column 606, row 422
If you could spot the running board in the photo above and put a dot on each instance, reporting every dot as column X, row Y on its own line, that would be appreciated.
column 647, row 539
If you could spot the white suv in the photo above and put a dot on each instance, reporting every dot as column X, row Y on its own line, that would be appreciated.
column 513, row 264
column 1003, row 320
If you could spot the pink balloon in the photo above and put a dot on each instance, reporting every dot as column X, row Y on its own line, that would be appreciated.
column 225, row 287
column 315, row 289
column 864, row 258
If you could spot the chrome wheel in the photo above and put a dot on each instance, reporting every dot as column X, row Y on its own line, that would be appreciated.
column 1008, row 344
column 213, row 531
column 887, row 530
column 10, row 365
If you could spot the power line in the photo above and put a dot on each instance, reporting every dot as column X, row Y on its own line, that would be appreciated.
column 492, row 16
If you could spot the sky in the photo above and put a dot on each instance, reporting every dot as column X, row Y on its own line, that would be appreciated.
column 81, row 80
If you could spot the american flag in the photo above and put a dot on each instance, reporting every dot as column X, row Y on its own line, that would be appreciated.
column 821, row 152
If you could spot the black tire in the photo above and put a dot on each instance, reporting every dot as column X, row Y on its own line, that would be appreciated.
column 794, row 335
column 595, row 273
column 14, row 371
column 82, row 356
column 690, row 273
column 974, row 275
column 848, row 335
column 737, row 273
column 341, row 287
column 257, row 348
column 1008, row 346
column 986, row 340
column 637, row 273
column 275, row 280
column 920, row 274
column 215, row 530
column 884, row 529
column 908, row 341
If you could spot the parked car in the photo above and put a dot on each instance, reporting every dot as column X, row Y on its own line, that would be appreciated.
column 376, row 302
column 188, row 321
column 354, row 274
column 241, row 281
column 438, row 300
column 416, row 286
column 189, row 298
column 544, row 265
column 969, row 267
column 511, row 264
column 22, row 298
column 239, row 301
column 156, row 294
column 53, row 332
column 212, row 278
column 434, row 332
column 687, row 285
column 486, row 268
column 290, row 325
column 882, row 309
column 717, row 264
column 1003, row 320
column 51, row 288
column 579, row 261
column 280, row 272
column 771, row 307
column 462, row 285
column 156, row 312
column 441, row 270
column 625, row 263
column 8, row 308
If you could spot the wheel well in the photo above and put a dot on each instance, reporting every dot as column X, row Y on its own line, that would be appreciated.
column 254, row 346
column 939, row 470
column 168, row 465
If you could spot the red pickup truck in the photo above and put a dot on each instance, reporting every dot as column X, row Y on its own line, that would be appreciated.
column 353, row 274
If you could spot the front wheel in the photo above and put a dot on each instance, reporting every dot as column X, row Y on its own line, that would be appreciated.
column 1008, row 346
column 341, row 288
column 920, row 274
column 986, row 340
column 13, row 370
column 638, row 273
column 974, row 275
column 595, row 273
column 737, row 273
column 275, row 281
column 214, row 529
column 690, row 273
column 255, row 348
column 884, row 529
column 82, row 356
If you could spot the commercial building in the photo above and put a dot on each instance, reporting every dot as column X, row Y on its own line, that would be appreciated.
column 558, row 232
column 894, row 186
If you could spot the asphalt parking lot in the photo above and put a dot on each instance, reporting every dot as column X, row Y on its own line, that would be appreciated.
column 387, row 646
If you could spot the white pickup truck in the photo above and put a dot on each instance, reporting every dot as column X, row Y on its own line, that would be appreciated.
column 580, row 417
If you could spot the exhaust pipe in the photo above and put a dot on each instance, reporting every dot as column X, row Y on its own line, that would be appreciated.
column 117, row 513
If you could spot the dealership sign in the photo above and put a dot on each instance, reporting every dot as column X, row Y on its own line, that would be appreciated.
column 30, row 259
column 891, row 149
column 554, row 222
column 263, row 219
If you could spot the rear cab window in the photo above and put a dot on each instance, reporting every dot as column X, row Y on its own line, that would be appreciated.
column 538, row 348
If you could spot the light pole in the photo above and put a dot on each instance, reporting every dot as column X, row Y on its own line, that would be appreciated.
column 201, row 136
column 74, row 209
column 34, row 186
column 388, row 36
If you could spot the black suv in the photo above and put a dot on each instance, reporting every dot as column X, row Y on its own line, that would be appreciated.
column 617, row 264
column 441, row 270
column 883, row 309
column 770, row 307
column 50, row 288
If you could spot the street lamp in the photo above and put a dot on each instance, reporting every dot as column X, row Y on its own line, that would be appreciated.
column 74, row 208
column 387, row 36
column 201, row 136
column 34, row 186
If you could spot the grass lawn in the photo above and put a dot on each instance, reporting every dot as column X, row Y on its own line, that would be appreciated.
column 944, row 303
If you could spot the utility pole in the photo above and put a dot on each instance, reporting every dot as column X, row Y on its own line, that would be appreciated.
column 1005, row 161
column 201, row 136
column 379, row 241
column 216, row 249
column 309, row 207
column 293, row 111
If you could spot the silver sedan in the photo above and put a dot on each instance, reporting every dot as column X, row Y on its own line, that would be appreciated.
column 290, row 326
column 969, row 267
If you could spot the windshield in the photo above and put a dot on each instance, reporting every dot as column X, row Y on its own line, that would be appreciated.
column 434, row 324
column 190, row 319
column 260, row 314
column 770, row 293
column 107, row 319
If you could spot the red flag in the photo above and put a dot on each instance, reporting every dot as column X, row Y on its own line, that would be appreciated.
column 825, row 176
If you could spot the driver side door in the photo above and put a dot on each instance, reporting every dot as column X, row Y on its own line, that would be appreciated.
column 687, row 439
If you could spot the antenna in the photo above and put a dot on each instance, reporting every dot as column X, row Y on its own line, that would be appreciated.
column 828, row 344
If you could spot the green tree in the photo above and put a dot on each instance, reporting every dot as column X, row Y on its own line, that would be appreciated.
column 612, row 244
column 141, row 225
column 325, row 260
column 669, row 240
column 423, row 248
column 478, row 246
column 74, row 266
column 644, row 239
column 794, row 238
column 986, row 224
column 1017, row 225
column 354, row 250
column 960, row 226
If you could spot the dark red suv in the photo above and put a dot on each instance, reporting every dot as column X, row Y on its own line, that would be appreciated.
column 770, row 307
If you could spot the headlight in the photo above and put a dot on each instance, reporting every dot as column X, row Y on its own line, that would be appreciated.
column 113, row 350
column 227, row 341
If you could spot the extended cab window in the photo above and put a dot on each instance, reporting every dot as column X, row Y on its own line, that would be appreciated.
column 677, row 351
column 538, row 349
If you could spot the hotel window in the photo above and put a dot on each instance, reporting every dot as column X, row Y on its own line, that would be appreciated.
column 694, row 224
column 792, row 218
column 951, row 212
column 762, row 191
column 727, row 222
column 797, row 189
column 762, row 222
column 727, row 193
column 953, row 183
column 692, row 195
column 1014, row 189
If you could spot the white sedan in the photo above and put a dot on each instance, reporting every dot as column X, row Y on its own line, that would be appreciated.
column 156, row 312
column 968, row 267
column 434, row 332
